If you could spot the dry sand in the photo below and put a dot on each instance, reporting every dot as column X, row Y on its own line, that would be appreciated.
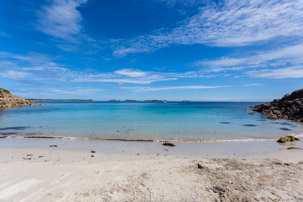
column 58, row 175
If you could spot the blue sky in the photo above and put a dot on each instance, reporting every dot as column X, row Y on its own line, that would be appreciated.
column 223, row 50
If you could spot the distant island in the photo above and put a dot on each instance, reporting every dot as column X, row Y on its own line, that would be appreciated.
column 164, row 101
column 71, row 100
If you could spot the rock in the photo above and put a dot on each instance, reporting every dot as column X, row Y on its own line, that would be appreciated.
column 202, row 167
column 287, row 139
column 285, row 129
column 168, row 144
column 273, row 117
column 285, row 96
column 217, row 189
column 251, row 113
column 249, row 125
column 54, row 145
column 288, row 107
column 277, row 112
column 8, row 100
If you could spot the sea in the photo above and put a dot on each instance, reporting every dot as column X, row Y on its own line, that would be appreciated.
column 145, row 121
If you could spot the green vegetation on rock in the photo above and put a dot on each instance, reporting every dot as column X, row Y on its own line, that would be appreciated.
column 290, row 148
column 287, row 139
column 5, row 91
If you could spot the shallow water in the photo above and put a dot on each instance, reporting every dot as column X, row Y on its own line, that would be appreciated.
column 142, row 120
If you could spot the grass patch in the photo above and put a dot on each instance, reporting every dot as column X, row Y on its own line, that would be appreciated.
column 5, row 91
column 291, row 148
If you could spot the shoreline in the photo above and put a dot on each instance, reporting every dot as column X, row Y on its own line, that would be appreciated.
column 244, row 148
column 33, row 135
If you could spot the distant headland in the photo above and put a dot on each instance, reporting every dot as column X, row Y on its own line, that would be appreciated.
column 66, row 100
column 8, row 100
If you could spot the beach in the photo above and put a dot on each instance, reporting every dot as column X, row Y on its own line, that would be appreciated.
column 55, row 172
column 160, row 101
column 104, row 151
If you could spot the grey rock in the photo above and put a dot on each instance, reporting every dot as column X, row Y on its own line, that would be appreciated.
column 273, row 117
column 288, row 107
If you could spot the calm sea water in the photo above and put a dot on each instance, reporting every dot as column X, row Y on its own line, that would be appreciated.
column 141, row 120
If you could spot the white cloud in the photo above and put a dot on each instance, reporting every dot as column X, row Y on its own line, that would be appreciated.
column 142, row 80
column 41, row 67
column 253, row 84
column 286, row 62
column 279, row 57
column 131, row 73
column 77, row 91
column 234, row 23
column 282, row 73
column 61, row 19
column 15, row 74
column 143, row 89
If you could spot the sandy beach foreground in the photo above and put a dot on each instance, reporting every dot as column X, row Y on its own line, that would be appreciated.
column 51, row 174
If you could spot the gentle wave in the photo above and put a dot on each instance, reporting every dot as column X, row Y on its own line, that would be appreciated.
column 204, row 140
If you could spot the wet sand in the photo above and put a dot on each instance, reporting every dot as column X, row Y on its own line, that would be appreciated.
column 242, row 148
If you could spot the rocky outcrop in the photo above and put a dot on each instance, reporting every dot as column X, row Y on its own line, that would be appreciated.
column 8, row 100
column 287, row 139
column 288, row 107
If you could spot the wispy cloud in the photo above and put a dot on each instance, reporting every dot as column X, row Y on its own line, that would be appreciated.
column 146, row 80
column 229, row 23
column 41, row 67
column 79, row 91
column 272, row 58
column 282, row 73
column 253, row 84
column 15, row 74
column 285, row 62
column 61, row 19
column 144, row 89
column 131, row 72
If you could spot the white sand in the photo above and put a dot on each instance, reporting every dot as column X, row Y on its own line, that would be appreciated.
column 58, row 175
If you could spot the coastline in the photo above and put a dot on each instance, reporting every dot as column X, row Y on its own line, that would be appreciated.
column 220, row 148
column 39, row 167
column 55, row 174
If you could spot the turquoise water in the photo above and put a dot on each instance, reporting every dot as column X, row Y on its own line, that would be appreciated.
column 141, row 120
